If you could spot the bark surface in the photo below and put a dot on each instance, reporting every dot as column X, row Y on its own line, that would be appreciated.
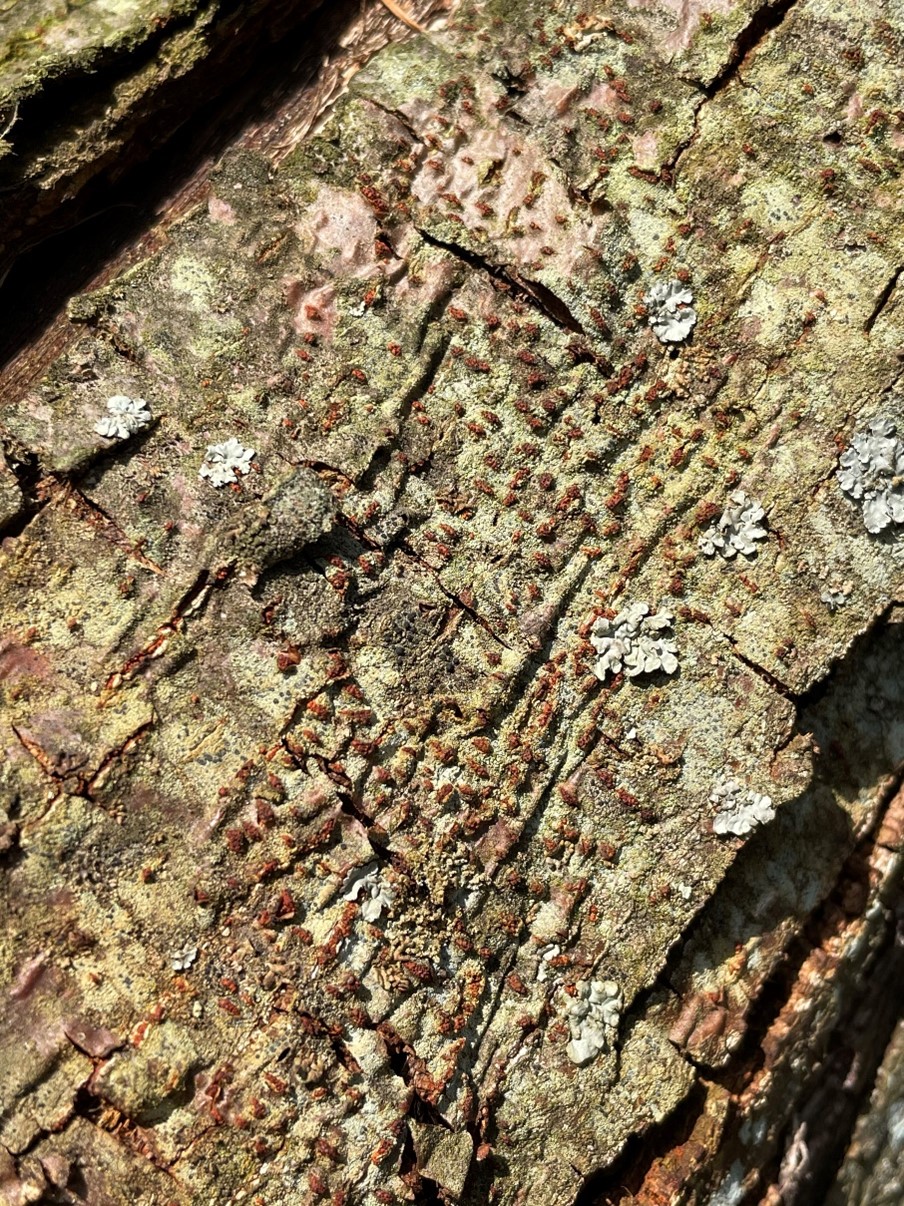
column 316, row 819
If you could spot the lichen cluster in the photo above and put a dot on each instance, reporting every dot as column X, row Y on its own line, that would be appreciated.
column 738, row 529
column 740, row 809
column 223, row 463
column 366, row 885
column 671, row 314
column 634, row 642
column 593, row 1014
column 126, row 417
column 871, row 472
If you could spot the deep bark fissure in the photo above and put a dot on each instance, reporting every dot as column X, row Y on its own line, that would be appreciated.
column 536, row 295
column 92, row 91
column 883, row 299
column 624, row 1178
column 763, row 22
column 766, row 19
column 642, row 1153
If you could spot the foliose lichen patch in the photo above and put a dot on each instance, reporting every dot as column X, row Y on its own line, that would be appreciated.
column 740, row 810
column 127, row 415
column 671, row 314
column 737, row 530
column 634, row 642
column 871, row 472
column 593, row 1015
column 224, row 463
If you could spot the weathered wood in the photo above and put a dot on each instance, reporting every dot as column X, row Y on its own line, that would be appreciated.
column 371, row 652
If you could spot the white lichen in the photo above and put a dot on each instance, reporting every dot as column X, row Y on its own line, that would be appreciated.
column 593, row 1015
column 871, row 471
column 671, row 314
column 836, row 594
column 634, row 642
column 738, row 530
column 740, row 810
column 182, row 960
column 127, row 415
column 367, row 882
column 223, row 462
column 547, row 953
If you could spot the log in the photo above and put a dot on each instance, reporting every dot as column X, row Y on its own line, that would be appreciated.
column 451, row 686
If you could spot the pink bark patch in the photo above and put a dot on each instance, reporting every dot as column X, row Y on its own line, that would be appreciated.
column 20, row 661
column 93, row 1040
column 688, row 14
column 604, row 98
column 315, row 312
column 496, row 843
column 29, row 976
column 645, row 149
column 750, row 329
column 340, row 228
column 558, row 98
column 220, row 211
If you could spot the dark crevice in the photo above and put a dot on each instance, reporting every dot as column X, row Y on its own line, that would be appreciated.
column 423, row 1190
column 348, row 800
column 26, row 469
column 193, row 598
column 840, row 1081
column 883, row 299
column 40, row 486
column 763, row 22
column 532, row 292
column 515, row 83
column 623, row 1179
column 407, row 1065
column 72, row 103
column 809, row 700
column 849, row 1069
column 837, row 1088
column 102, row 521
column 761, row 672
column 87, row 784
column 249, row 77
column 766, row 19
column 82, row 89
column 398, row 116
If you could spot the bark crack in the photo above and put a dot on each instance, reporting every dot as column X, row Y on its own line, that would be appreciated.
column 192, row 601
column 452, row 596
column 767, row 676
column 766, row 19
column 104, row 523
column 540, row 297
column 883, row 299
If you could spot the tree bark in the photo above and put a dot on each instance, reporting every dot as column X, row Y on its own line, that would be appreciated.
column 342, row 858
